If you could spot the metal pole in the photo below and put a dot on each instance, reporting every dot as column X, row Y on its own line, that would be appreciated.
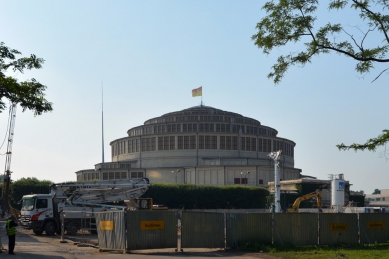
column 62, row 228
column 276, row 157
column 276, row 188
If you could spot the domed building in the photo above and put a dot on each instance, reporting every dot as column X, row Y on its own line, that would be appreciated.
column 199, row 145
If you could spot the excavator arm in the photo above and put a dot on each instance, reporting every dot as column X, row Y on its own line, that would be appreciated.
column 296, row 204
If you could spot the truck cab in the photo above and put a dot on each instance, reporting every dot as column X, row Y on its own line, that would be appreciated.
column 38, row 214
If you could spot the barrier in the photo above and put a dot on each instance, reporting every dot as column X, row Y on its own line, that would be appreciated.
column 111, row 230
column 374, row 228
column 202, row 229
column 338, row 228
column 79, row 226
column 151, row 229
column 158, row 229
column 296, row 229
column 248, row 227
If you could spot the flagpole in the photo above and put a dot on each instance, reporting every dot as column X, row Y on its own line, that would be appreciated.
column 102, row 121
column 201, row 96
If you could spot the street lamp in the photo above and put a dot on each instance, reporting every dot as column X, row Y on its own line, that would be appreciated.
column 241, row 173
column 176, row 173
column 246, row 177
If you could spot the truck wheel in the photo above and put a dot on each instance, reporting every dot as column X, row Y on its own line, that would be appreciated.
column 37, row 232
column 71, row 229
column 50, row 229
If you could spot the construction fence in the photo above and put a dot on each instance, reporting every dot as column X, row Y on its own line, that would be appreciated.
column 79, row 226
column 167, row 229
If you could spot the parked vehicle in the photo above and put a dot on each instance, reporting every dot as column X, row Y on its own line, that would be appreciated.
column 41, row 212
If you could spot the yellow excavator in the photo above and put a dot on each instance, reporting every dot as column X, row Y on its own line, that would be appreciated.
column 296, row 204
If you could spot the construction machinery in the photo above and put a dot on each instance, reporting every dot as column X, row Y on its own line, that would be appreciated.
column 41, row 212
column 296, row 204
column 5, row 206
column 144, row 204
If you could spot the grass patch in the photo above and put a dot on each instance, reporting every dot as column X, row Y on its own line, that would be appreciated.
column 339, row 251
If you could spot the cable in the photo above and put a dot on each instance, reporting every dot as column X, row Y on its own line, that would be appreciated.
column 6, row 132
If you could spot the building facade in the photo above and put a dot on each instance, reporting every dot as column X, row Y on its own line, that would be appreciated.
column 199, row 145
column 378, row 200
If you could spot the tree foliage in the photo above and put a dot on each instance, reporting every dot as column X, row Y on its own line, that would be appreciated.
column 29, row 94
column 25, row 186
column 291, row 21
column 377, row 191
column 370, row 145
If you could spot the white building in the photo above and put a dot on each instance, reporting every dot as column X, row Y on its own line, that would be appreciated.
column 378, row 200
column 200, row 145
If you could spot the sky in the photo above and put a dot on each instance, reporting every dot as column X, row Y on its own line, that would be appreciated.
column 149, row 55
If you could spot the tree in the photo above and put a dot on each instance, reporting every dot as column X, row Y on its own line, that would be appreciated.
column 292, row 21
column 25, row 186
column 376, row 191
column 29, row 94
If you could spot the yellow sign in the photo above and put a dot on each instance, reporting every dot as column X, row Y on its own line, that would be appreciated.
column 152, row 224
column 375, row 224
column 338, row 226
column 107, row 225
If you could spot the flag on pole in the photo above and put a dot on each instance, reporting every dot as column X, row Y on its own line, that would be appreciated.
column 197, row 92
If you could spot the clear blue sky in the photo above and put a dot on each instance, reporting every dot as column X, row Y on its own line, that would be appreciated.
column 151, row 54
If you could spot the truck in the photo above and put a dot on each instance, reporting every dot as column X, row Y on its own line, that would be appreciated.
column 42, row 212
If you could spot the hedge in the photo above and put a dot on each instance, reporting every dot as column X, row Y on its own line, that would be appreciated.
column 189, row 196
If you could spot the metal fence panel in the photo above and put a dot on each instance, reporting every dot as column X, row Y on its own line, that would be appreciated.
column 111, row 230
column 374, row 227
column 202, row 230
column 296, row 228
column 248, row 227
column 151, row 229
column 338, row 228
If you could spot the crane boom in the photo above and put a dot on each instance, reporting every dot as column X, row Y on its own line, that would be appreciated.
column 5, row 207
column 100, row 192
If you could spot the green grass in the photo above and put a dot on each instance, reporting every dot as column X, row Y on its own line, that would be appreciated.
column 341, row 251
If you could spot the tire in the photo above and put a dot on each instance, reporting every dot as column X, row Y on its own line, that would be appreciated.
column 50, row 229
column 71, row 229
column 37, row 232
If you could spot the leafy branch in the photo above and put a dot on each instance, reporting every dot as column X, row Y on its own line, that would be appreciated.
column 28, row 94
column 294, row 20
column 370, row 145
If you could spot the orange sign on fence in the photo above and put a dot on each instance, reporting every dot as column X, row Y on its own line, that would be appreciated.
column 338, row 226
column 107, row 225
column 152, row 224
column 375, row 224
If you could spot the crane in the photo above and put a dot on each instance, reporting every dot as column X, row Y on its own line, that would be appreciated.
column 296, row 204
column 5, row 207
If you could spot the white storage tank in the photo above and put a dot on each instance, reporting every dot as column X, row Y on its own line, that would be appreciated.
column 337, row 192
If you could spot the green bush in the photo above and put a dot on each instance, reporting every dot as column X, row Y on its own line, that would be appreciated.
column 26, row 186
column 188, row 196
